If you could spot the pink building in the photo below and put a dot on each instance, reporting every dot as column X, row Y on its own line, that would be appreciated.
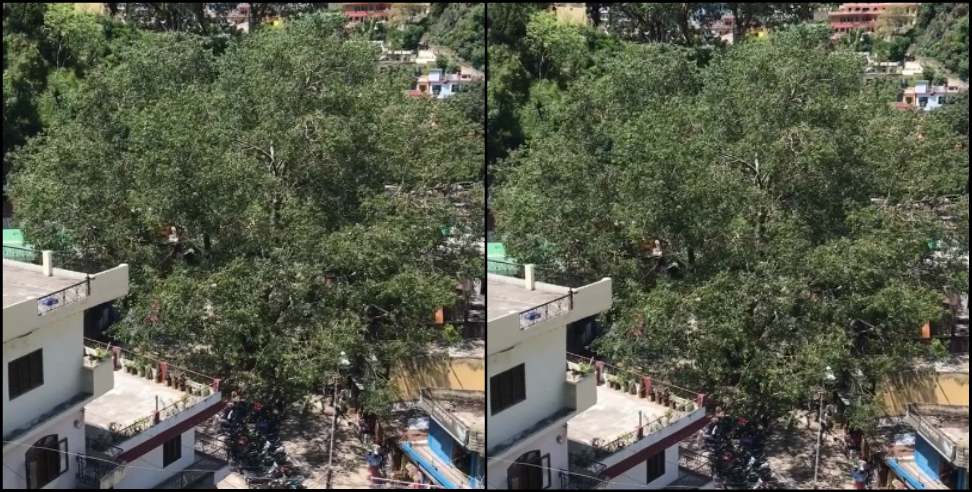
column 864, row 16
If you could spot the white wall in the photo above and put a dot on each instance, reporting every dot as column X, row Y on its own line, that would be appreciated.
column 546, row 443
column 62, row 360
column 14, row 477
column 146, row 471
column 545, row 372
column 635, row 477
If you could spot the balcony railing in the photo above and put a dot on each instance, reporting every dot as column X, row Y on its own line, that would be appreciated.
column 430, row 401
column 98, row 472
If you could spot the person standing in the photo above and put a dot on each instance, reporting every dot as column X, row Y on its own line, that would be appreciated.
column 375, row 461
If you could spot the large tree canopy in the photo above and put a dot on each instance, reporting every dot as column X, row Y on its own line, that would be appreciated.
column 789, row 200
column 304, row 193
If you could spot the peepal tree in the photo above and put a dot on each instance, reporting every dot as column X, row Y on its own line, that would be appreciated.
column 278, row 203
column 785, row 197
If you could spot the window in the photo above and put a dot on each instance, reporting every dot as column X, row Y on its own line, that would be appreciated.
column 172, row 450
column 507, row 389
column 530, row 472
column 45, row 461
column 26, row 373
column 656, row 466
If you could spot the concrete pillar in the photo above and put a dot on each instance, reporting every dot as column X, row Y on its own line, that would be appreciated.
column 47, row 257
column 528, row 276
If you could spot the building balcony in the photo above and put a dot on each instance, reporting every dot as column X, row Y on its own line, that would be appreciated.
column 460, row 412
column 450, row 447
column 149, row 397
column 631, row 414
column 98, row 471
column 211, row 466
column 945, row 427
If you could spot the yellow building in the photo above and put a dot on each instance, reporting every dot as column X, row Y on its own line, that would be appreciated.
column 91, row 8
column 571, row 13
column 457, row 368
column 941, row 384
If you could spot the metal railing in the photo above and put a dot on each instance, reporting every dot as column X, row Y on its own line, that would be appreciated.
column 602, row 451
column 68, row 295
column 20, row 253
column 557, row 275
column 585, row 474
column 694, row 462
column 91, row 470
column 547, row 310
column 471, row 439
column 504, row 267
column 917, row 416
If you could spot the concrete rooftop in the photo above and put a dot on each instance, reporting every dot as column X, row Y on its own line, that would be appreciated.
column 505, row 294
column 614, row 414
column 132, row 398
column 469, row 409
column 21, row 282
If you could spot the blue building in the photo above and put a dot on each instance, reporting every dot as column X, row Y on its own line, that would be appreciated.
column 940, row 456
column 451, row 453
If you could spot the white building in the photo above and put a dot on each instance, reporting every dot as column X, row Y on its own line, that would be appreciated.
column 441, row 85
column 557, row 420
column 530, row 393
column 928, row 97
column 73, row 415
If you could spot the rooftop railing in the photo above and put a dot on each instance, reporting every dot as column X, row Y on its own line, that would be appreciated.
column 681, row 401
column 504, row 267
column 547, row 310
column 196, row 387
column 68, row 295
column 20, row 253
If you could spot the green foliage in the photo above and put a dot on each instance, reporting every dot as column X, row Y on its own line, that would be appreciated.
column 755, row 172
column 305, row 190
column 405, row 37
column 461, row 27
column 943, row 34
